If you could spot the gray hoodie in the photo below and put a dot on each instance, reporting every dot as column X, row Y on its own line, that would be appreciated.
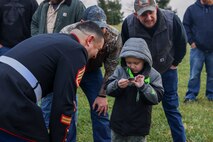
column 132, row 116
column 137, row 47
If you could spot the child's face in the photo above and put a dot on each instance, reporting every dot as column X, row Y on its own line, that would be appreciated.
column 135, row 64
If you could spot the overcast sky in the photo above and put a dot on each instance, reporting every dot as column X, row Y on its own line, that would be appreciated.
column 127, row 5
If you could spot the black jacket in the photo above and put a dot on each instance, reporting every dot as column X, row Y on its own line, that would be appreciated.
column 15, row 20
column 58, row 63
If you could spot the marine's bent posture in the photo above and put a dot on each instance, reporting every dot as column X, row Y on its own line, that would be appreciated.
column 37, row 66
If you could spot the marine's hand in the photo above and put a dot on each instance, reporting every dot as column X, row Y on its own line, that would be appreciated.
column 101, row 104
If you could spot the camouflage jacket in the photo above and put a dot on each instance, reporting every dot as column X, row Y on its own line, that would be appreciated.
column 107, row 56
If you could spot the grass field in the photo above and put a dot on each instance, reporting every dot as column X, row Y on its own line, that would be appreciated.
column 197, row 116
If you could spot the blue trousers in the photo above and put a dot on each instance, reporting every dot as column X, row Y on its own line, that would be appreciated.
column 90, row 84
column 197, row 59
column 170, row 105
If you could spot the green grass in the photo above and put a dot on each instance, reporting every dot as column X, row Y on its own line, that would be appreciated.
column 197, row 116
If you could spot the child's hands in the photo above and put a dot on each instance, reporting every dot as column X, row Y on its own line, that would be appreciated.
column 123, row 83
column 139, row 81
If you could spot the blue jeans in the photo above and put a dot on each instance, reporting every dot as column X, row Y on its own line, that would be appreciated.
column 170, row 105
column 197, row 60
column 4, row 50
column 90, row 84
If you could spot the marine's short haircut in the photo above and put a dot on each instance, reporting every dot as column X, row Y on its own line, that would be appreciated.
column 90, row 27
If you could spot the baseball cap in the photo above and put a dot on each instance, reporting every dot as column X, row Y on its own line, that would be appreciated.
column 96, row 14
column 141, row 6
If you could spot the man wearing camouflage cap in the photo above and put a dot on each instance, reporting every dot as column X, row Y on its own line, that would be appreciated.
column 93, row 82
column 166, row 39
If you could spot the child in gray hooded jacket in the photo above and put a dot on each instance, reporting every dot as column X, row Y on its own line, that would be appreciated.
column 136, row 86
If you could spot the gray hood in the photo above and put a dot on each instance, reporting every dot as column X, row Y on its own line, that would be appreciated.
column 138, row 48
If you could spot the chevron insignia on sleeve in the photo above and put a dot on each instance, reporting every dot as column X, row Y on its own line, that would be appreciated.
column 79, row 76
column 66, row 119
